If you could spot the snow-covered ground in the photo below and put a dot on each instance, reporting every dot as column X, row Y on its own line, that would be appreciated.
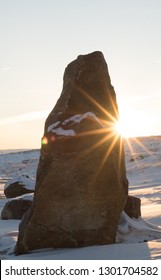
column 138, row 239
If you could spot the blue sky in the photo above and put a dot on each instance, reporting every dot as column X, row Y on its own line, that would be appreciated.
column 38, row 40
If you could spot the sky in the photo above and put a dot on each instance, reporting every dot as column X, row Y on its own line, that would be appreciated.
column 39, row 38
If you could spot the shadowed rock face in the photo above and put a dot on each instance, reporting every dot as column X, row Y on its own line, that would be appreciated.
column 15, row 209
column 81, row 183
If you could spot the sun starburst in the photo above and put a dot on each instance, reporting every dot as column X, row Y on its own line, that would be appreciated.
column 113, row 129
column 107, row 132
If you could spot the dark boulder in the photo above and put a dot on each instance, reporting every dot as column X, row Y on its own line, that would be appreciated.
column 133, row 207
column 19, row 186
column 15, row 209
column 81, row 185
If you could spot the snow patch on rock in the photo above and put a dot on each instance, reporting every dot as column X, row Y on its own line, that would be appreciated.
column 64, row 132
column 52, row 126
column 74, row 119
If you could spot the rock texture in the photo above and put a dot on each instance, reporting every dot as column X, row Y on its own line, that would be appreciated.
column 81, row 186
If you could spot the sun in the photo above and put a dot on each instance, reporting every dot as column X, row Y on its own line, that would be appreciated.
column 125, row 129
column 132, row 123
column 120, row 129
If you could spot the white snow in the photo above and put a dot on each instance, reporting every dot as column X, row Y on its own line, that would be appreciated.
column 79, row 117
column 52, row 126
column 63, row 132
column 136, row 230
column 74, row 119
column 137, row 239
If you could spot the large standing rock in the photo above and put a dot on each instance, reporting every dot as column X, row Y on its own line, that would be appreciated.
column 81, row 183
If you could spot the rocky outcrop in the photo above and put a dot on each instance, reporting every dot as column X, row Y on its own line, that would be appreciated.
column 81, row 185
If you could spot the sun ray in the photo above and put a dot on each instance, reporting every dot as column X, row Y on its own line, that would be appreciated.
column 120, row 150
column 142, row 146
column 115, row 108
column 131, row 150
column 128, row 141
column 109, row 150
column 92, row 100
column 96, row 131
column 105, row 157
column 99, row 143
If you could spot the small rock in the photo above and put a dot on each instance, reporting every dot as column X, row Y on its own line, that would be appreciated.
column 15, row 209
column 133, row 207
column 19, row 186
